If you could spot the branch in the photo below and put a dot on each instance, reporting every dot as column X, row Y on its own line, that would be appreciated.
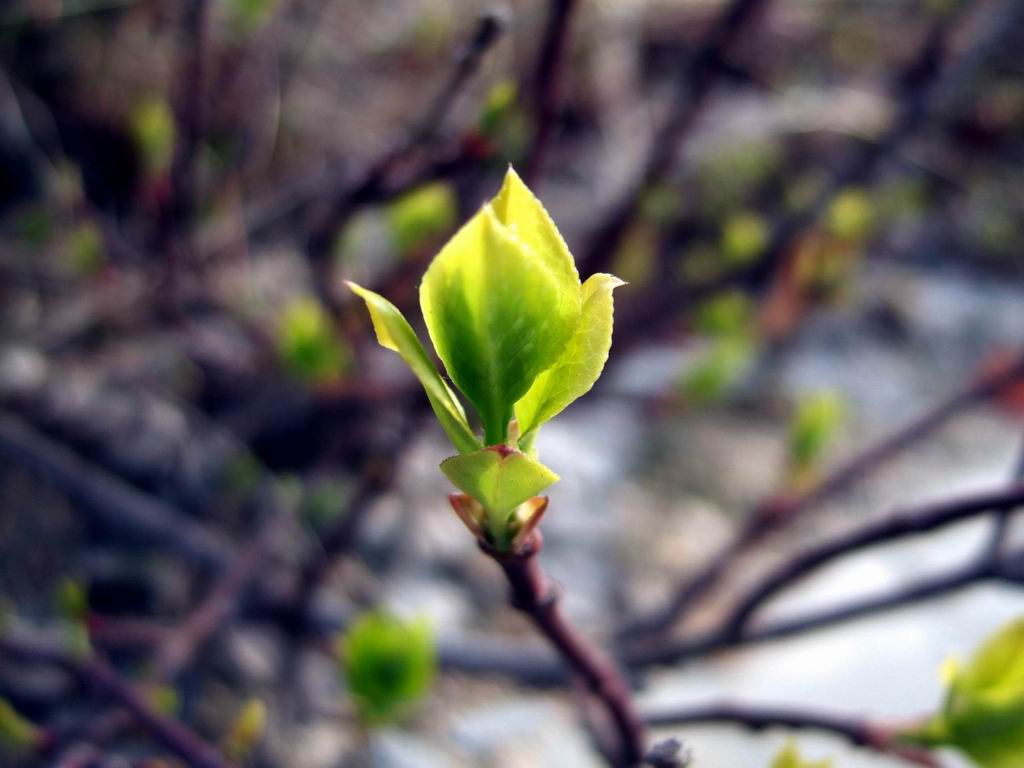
column 532, row 593
column 696, row 77
column 777, row 513
column 857, row 732
column 110, row 502
column 96, row 673
column 894, row 528
column 547, row 84
column 371, row 182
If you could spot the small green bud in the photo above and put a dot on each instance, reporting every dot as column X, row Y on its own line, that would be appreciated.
column 389, row 665
column 420, row 216
column 815, row 425
column 310, row 347
column 790, row 757
column 246, row 731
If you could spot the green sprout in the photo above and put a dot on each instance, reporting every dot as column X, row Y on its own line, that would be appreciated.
column 389, row 665
column 815, row 425
column 152, row 125
column 520, row 337
column 789, row 757
column 246, row 731
column 310, row 347
column 17, row 734
column 851, row 215
column 983, row 713
column 744, row 236
column 421, row 215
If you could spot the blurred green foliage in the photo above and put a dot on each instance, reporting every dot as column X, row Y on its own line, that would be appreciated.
column 851, row 215
column 246, row 731
column 744, row 237
column 17, row 734
column 309, row 346
column 389, row 665
column 731, row 314
column 419, row 217
column 72, row 600
column 152, row 123
column 983, row 714
column 250, row 15
column 85, row 250
column 815, row 425
column 789, row 757
column 726, row 362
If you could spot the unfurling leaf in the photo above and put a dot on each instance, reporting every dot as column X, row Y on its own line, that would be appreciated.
column 581, row 362
column 519, row 336
column 790, row 757
column 389, row 665
column 500, row 479
column 395, row 333
column 501, row 301
column 983, row 715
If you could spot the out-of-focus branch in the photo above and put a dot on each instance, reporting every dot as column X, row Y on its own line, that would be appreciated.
column 925, row 87
column 93, row 672
column 547, row 84
column 697, row 76
column 894, row 528
column 109, row 501
column 369, row 184
column 855, row 731
column 777, row 513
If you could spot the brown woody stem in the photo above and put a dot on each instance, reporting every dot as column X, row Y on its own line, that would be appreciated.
column 532, row 593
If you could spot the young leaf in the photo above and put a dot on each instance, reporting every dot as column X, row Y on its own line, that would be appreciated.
column 581, row 362
column 790, row 757
column 984, row 712
column 817, row 419
column 500, row 478
column 310, row 347
column 395, row 333
column 389, row 664
column 498, row 311
column 421, row 215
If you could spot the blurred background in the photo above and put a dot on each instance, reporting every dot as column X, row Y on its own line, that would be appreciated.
column 819, row 209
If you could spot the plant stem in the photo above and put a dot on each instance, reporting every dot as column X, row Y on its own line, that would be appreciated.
column 532, row 593
column 857, row 732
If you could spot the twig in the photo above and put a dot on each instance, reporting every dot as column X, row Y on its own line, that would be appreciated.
column 547, row 84
column 696, row 77
column 532, row 593
column 109, row 501
column 857, row 732
column 898, row 526
column 368, row 185
column 779, row 512
column 922, row 89
column 96, row 673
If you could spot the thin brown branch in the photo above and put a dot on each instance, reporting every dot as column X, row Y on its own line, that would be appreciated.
column 547, row 84
column 894, row 528
column 110, row 502
column 777, row 513
column 855, row 731
column 373, row 179
column 532, row 594
column 697, row 76
column 95, row 673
